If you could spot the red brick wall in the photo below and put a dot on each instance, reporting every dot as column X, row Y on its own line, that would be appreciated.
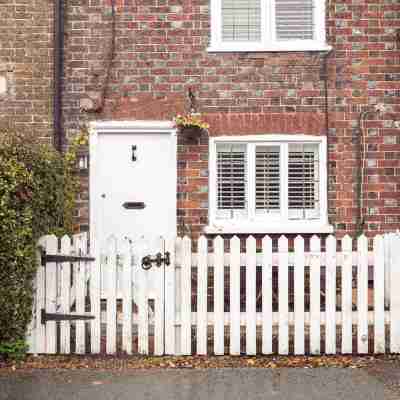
column 161, row 53
column 26, row 34
column 365, row 70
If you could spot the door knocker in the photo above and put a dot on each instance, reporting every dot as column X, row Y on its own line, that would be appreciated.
column 134, row 158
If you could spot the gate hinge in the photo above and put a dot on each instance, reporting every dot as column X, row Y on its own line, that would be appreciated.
column 44, row 317
column 48, row 258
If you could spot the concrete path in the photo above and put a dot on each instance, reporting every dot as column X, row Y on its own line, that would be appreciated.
column 220, row 384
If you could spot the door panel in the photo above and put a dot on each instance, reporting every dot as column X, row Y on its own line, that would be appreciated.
column 146, row 175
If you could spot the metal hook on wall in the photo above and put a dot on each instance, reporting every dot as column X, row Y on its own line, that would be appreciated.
column 192, row 101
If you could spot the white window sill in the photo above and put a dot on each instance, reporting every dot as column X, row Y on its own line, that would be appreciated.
column 294, row 227
column 270, row 48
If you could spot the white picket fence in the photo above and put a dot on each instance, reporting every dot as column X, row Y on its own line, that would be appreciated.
column 226, row 301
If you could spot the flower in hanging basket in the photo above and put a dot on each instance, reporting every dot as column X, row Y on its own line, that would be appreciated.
column 190, row 121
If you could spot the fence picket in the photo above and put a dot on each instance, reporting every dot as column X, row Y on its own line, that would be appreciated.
column 283, row 294
column 95, row 298
column 202, row 272
column 142, row 301
column 111, row 274
column 178, row 294
column 65, row 326
column 362, row 294
column 394, row 295
column 186, row 297
column 234, row 275
column 219, row 296
column 347, row 296
column 379, row 291
column 127, row 296
column 299, row 296
column 51, row 295
column 330, row 296
column 387, row 246
column 315, row 296
column 80, row 276
column 40, row 334
column 159, row 311
column 251, row 337
column 170, row 295
column 266, row 296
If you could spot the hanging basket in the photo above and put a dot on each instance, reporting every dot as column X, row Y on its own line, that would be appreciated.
column 191, row 131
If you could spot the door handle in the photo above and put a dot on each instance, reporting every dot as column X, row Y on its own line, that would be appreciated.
column 134, row 205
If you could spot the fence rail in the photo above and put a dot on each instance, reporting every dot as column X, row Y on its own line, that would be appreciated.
column 236, row 296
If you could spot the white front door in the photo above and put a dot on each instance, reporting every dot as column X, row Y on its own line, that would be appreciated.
column 133, row 184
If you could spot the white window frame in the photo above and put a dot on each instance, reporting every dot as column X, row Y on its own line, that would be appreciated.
column 268, row 40
column 271, row 222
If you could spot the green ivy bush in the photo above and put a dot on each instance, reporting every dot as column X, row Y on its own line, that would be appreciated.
column 13, row 351
column 37, row 192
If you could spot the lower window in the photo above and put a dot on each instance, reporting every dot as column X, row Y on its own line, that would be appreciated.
column 264, row 182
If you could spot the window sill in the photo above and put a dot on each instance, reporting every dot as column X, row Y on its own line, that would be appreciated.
column 298, row 227
column 300, row 47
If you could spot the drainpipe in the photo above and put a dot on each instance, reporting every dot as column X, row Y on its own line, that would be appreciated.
column 326, row 107
column 362, row 159
column 58, row 138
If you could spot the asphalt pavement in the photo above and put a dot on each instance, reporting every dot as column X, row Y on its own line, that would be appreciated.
column 207, row 384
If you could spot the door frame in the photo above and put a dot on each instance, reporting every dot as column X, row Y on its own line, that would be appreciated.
column 97, row 128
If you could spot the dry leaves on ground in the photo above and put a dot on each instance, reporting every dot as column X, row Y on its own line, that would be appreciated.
column 124, row 362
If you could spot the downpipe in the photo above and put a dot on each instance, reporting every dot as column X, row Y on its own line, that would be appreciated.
column 58, row 70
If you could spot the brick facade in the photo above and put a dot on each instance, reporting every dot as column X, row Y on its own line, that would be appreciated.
column 160, row 52
column 26, row 66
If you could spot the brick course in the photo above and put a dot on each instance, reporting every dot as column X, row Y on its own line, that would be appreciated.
column 26, row 48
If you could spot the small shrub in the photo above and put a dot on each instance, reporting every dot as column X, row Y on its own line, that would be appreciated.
column 14, row 351
column 37, row 193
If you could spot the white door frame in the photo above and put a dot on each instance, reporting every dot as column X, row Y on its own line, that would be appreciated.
column 97, row 128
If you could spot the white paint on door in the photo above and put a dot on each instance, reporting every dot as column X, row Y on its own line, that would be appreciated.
column 133, row 162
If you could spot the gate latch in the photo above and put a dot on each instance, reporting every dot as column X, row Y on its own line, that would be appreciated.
column 158, row 259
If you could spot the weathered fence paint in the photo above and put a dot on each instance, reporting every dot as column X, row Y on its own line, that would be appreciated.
column 200, row 304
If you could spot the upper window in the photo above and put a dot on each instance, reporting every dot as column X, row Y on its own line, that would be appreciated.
column 267, row 25
column 268, row 183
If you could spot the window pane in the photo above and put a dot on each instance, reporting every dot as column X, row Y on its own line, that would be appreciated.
column 231, row 177
column 241, row 20
column 294, row 19
column 303, row 174
column 267, row 178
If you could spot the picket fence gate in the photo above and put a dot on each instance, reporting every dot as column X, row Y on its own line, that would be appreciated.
column 310, row 297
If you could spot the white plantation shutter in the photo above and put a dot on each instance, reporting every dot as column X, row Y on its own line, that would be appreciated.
column 267, row 179
column 241, row 20
column 303, row 181
column 231, row 180
column 258, row 182
column 294, row 19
